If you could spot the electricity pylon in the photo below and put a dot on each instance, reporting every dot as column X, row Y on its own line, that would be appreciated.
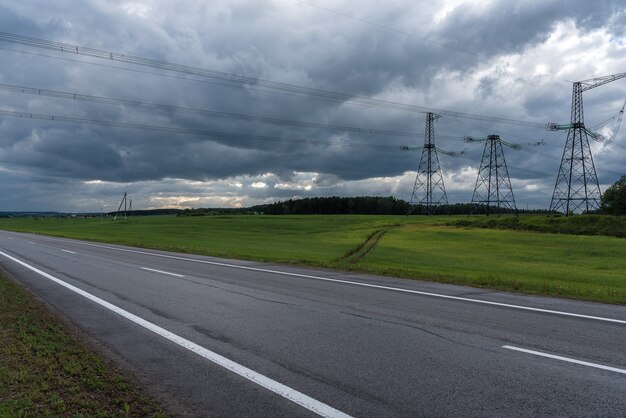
column 429, row 190
column 577, row 188
column 493, row 184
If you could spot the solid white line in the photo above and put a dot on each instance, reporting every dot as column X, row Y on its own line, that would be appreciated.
column 567, row 359
column 375, row 286
column 261, row 380
column 68, row 251
column 162, row 272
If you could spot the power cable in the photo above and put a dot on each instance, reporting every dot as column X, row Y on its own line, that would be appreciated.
column 240, row 79
column 135, row 70
column 485, row 131
column 214, row 134
column 538, row 173
column 210, row 113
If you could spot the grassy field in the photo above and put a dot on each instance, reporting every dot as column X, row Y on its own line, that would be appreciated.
column 584, row 267
column 428, row 248
column 306, row 239
column 46, row 372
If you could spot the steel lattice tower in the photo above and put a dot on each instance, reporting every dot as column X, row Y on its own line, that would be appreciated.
column 493, row 185
column 576, row 187
column 429, row 189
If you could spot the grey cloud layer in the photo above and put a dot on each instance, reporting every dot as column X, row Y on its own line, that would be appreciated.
column 302, row 45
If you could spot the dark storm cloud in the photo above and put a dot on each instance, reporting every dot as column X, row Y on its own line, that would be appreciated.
column 459, row 60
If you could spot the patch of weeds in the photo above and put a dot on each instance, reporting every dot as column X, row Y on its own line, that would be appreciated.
column 47, row 372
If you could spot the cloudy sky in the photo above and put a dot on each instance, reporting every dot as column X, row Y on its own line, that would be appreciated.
column 513, row 60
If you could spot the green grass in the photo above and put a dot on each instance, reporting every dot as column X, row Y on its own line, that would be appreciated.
column 583, row 267
column 307, row 239
column 46, row 372
column 573, row 266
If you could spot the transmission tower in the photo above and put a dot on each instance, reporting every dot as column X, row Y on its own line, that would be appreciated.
column 493, row 184
column 576, row 188
column 429, row 189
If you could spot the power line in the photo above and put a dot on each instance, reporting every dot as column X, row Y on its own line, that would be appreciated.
column 210, row 113
column 214, row 134
column 157, row 74
column 135, row 70
column 539, row 174
column 483, row 129
column 242, row 80
column 168, row 66
column 248, row 88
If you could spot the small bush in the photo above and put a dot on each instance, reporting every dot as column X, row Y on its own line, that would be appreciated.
column 614, row 226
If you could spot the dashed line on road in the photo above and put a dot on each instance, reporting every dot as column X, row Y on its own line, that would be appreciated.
column 375, row 286
column 68, row 251
column 278, row 388
column 566, row 359
column 163, row 272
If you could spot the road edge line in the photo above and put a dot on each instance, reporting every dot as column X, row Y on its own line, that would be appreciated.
column 278, row 388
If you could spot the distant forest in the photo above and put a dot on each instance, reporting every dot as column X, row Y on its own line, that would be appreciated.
column 367, row 205
column 363, row 205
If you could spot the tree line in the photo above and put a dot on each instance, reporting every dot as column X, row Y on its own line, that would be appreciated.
column 366, row 205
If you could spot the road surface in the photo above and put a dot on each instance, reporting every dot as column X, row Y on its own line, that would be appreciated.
column 238, row 338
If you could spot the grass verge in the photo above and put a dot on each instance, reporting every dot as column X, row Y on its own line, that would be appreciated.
column 46, row 372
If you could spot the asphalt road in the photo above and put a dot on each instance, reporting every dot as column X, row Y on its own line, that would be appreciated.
column 236, row 338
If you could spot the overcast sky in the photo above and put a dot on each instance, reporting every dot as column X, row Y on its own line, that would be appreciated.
column 506, row 59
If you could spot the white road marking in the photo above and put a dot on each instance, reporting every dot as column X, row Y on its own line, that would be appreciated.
column 10, row 237
column 285, row 391
column 30, row 242
column 162, row 272
column 375, row 286
column 567, row 359
column 68, row 251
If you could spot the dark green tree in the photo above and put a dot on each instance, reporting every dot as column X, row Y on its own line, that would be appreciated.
column 614, row 198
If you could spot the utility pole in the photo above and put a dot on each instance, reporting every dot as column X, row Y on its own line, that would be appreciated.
column 120, row 207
